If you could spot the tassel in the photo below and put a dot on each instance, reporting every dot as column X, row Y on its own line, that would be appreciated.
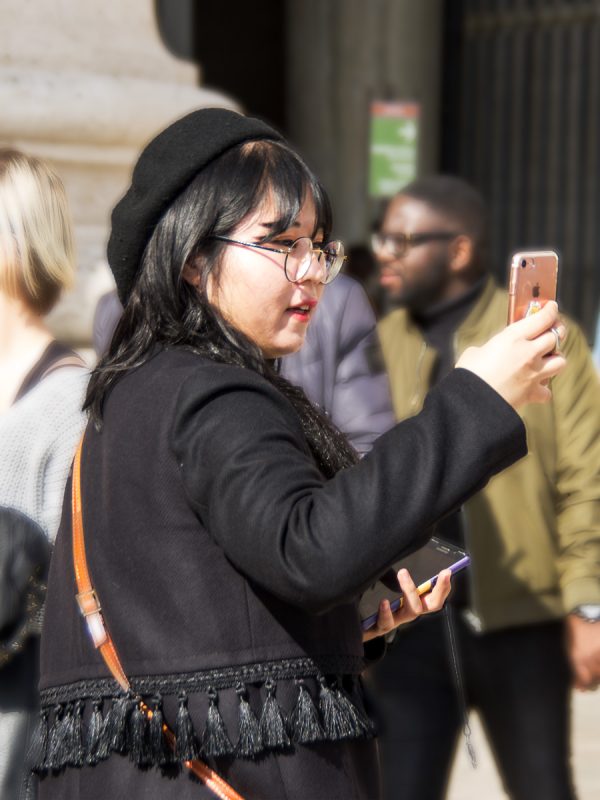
column 60, row 737
column 215, row 741
column 361, row 726
column 272, row 722
column 56, row 747
column 249, row 742
column 38, row 748
column 53, row 736
column 77, row 748
column 113, row 738
column 93, row 735
column 67, row 738
column 304, row 719
column 186, row 748
column 137, row 737
column 159, row 751
column 336, row 721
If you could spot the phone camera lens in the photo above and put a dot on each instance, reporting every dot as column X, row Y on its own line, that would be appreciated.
column 523, row 264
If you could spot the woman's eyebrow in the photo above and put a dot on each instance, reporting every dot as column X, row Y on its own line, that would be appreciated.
column 295, row 224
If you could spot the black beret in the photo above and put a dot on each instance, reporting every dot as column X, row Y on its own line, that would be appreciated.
column 164, row 169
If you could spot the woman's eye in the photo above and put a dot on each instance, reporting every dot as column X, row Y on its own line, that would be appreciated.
column 283, row 243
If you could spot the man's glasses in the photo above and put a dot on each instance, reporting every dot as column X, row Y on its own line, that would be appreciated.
column 299, row 257
column 397, row 245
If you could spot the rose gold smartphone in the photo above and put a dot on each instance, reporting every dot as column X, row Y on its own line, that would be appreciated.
column 532, row 282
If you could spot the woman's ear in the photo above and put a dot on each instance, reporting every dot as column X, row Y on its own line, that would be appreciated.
column 191, row 274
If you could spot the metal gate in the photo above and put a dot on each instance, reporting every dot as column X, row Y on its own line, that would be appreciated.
column 521, row 120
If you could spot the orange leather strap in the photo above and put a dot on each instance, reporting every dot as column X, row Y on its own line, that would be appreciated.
column 89, row 605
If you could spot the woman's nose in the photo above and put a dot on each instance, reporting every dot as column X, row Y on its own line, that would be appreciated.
column 316, row 271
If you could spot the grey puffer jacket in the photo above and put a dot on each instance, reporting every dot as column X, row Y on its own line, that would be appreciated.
column 340, row 367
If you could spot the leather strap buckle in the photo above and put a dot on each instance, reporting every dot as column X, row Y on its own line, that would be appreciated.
column 89, row 605
column 88, row 602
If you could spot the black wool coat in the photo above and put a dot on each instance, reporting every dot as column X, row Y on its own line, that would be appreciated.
column 229, row 570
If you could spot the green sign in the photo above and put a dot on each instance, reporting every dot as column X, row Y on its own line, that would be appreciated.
column 394, row 145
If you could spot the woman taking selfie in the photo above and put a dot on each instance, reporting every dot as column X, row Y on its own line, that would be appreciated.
column 229, row 528
column 41, row 393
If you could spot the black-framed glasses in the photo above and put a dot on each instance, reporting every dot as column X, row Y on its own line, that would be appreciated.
column 397, row 245
column 299, row 257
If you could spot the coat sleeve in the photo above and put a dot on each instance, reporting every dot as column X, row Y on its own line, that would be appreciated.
column 577, row 421
column 361, row 404
column 313, row 542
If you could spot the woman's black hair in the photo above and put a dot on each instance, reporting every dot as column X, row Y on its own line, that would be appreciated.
column 165, row 310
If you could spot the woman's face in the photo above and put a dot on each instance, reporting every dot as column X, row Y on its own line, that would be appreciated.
column 252, row 291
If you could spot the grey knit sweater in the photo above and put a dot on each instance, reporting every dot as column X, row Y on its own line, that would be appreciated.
column 38, row 436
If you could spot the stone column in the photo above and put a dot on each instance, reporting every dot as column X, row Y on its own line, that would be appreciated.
column 85, row 85
column 342, row 55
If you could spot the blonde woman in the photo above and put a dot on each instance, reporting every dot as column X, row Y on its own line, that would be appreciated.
column 41, row 389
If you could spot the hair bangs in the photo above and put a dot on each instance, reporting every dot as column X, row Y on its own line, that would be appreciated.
column 285, row 181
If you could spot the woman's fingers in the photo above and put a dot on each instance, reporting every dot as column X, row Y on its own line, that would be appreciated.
column 519, row 361
column 386, row 622
column 531, row 327
column 434, row 601
column 413, row 604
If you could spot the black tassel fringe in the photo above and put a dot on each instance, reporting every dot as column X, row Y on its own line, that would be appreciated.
column 123, row 725
column 137, row 737
column 159, row 751
column 272, row 724
column 114, row 733
column 215, row 741
column 94, row 733
column 187, row 748
column 304, row 719
column 249, row 741
column 38, row 747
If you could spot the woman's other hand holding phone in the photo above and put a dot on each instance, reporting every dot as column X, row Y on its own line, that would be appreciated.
column 413, row 605
column 519, row 361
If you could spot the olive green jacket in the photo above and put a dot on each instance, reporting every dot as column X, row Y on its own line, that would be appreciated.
column 534, row 531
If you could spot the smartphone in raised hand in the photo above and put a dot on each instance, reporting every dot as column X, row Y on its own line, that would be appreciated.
column 532, row 282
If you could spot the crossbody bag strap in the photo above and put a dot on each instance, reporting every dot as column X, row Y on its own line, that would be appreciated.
column 89, row 604
column 65, row 361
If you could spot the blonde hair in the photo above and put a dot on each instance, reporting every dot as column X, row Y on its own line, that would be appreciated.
column 37, row 259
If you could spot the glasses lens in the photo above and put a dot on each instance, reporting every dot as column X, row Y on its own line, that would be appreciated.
column 298, row 259
column 334, row 258
column 301, row 255
column 377, row 242
column 390, row 244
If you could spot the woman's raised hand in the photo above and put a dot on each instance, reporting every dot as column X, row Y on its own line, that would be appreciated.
column 519, row 361
column 413, row 604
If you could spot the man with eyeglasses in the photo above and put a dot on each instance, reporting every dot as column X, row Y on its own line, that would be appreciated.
column 527, row 616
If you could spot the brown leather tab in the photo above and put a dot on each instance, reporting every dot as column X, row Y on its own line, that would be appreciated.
column 88, row 603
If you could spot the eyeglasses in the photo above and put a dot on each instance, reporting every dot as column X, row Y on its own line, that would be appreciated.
column 299, row 257
column 397, row 245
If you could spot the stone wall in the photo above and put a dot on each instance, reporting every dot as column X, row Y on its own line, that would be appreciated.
column 85, row 85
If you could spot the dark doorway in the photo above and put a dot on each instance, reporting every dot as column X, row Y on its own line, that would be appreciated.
column 239, row 45
column 521, row 120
